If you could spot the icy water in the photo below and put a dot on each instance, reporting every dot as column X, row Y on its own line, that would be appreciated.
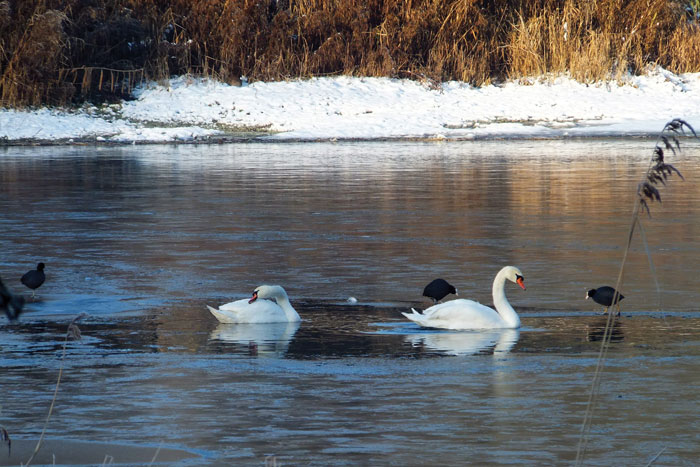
column 141, row 238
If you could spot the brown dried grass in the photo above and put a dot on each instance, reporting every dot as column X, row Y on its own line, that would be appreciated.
column 62, row 51
column 595, row 41
column 683, row 52
column 35, row 58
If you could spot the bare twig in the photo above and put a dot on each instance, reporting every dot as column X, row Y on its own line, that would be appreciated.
column 155, row 455
column 658, row 454
column 73, row 332
column 652, row 268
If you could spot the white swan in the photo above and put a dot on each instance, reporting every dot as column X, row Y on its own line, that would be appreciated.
column 468, row 314
column 259, row 311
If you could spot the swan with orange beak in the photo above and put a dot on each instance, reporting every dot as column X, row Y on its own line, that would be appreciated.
column 469, row 314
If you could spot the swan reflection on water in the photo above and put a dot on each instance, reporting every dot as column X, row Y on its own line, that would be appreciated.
column 466, row 342
column 268, row 339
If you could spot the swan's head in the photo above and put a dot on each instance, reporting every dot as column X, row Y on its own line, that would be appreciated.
column 268, row 291
column 513, row 274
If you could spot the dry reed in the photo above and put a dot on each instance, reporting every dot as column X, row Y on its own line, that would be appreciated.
column 73, row 333
column 67, row 51
column 656, row 176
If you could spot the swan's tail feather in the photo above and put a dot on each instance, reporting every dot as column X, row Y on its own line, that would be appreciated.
column 416, row 316
column 219, row 315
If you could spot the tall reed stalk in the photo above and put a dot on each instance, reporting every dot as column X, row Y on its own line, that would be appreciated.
column 656, row 175
column 73, row 333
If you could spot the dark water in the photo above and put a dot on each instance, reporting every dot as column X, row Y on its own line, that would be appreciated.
column 140, row 238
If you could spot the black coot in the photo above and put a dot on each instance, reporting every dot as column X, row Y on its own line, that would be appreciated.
column 604, row 296
column 10, row 304
column 34, row 278
column 438, row 289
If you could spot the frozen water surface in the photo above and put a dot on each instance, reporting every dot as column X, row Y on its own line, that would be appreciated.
column 141, row 238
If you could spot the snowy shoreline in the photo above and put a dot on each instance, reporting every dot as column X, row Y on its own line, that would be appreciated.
column 235, row 139
column 197, row 111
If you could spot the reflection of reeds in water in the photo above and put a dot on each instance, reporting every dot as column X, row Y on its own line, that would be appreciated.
column 647, row 191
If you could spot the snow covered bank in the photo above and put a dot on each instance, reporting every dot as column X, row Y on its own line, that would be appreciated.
column 370, row 108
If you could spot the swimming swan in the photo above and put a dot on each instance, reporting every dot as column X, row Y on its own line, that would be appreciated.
column 468, row 314
column 259, row 311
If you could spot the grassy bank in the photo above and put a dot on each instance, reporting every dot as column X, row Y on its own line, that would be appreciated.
column 66, row 51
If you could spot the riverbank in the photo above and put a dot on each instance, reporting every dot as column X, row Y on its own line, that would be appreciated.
column 191, row 110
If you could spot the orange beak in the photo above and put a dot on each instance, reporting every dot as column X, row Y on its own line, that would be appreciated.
column 521, row 283
column 255, row 297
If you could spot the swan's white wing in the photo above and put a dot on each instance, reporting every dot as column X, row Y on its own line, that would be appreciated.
column 459, row 314
column 455, row 309
column 240, row 305
column 240, row 311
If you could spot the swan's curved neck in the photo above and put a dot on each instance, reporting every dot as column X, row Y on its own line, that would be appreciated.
column 283, row 301
column 501, row 303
